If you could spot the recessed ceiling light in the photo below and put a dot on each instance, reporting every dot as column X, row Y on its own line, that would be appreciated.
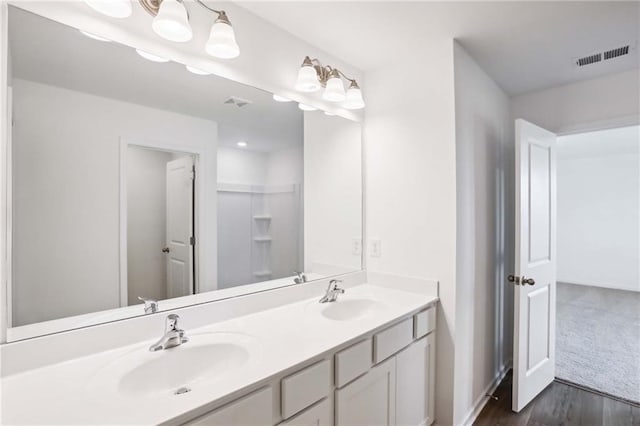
column 151, row 57
column 306, row 107
column 242, row 144
column 197, row 70
column 279, row 98
column 95, row 37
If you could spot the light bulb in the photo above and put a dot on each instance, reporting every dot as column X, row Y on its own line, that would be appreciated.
column 306, row 107
column 151, row 57
column 112, row 8
column 172, row 22
column 353, row 98
column 242, row 144
column 222, row 39
column 279, row 98
column 334, row 92
column 307, row 77
column 197, row 71
column 95, row 37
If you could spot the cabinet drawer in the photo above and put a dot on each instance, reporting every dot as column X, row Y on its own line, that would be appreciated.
column 391, row 340
column 352, row 362
column 255, row 409
column 424, row 323
column 305, row 387
column 318, row 415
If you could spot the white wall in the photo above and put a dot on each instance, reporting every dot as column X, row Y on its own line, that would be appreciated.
column 66, row 168
column 609, row 101
column 599, row 208
column 485, row 233
column 411, row 186
column 333, row 193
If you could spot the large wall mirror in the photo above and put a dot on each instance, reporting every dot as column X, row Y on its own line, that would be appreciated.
column 133, row 178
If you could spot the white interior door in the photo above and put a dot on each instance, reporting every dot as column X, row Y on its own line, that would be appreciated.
column 535, row 263
column 179, row 248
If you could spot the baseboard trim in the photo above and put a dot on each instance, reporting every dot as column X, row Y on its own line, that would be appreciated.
column 484, row 398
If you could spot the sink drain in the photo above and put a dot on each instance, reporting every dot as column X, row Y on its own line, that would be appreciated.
column 183, row 389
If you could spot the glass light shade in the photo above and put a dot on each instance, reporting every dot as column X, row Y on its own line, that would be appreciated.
column 197, row 71
column 151, row 57
column 172, row 22
column 306, row 107
column 354, row 99
column 222, row 41
column 307, row 79
column 112, row 8
column 334, row 92
column 93, row 36
column 279, row 98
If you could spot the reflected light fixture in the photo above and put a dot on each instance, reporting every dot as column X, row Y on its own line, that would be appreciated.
column 279, row 98
column 112, row 8
column 242, row 144
column 306, row 107
column 171, row 22
column 197, row 71
column 151, row 57
column 313, row 76
column 95, row 37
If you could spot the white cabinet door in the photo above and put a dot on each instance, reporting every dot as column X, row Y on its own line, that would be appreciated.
column 369, row 400
column 317, row 415
column 255, row 409
column 415, row 383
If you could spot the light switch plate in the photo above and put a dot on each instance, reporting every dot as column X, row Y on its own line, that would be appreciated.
column 376, row 247
column 356, row 247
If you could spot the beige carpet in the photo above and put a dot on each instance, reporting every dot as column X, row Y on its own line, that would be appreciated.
column 598, row 339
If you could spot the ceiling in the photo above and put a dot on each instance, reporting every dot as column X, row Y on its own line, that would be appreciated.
column 523, row 46
column 51, row 53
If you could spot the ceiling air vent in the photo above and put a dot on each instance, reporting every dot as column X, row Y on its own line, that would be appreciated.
column 587, row 60
column 614, row 53
column 239, row 102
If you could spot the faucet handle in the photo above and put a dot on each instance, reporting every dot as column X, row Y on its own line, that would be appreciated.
column 172, row 322
column 150, row 305
column 335, row 283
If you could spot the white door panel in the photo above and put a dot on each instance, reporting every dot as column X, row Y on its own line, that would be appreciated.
column 179, row 250
column 535, row 266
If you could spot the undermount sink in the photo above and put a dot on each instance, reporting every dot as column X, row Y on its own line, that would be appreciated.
column 346, row 309
column 205, row 358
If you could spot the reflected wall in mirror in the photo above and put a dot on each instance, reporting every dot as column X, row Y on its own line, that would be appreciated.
column 135, row 179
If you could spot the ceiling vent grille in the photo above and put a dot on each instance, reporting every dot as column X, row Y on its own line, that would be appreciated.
column 587, row 60
column 239, row 102
column 614, row 53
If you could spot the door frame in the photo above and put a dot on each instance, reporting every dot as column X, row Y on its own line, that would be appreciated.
column 201, row 161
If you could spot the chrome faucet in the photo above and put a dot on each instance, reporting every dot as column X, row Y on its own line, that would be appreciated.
column 332, row 292
column 300, row 278
column 173, row 336
column 150, row 305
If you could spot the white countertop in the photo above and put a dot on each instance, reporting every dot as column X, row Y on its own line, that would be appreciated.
column 65, row 393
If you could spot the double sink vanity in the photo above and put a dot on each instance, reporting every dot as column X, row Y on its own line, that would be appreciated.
column 365, row 358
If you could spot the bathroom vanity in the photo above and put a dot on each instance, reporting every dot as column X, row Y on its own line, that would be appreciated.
column 367, row 358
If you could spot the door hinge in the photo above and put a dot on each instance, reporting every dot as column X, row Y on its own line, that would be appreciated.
column 192, row 241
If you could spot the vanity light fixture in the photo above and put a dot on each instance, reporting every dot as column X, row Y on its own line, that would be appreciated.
column 95, row 37
column 171, row 22
column 279, row 98
column 197, row 71
column 306, row 107
column 151, row 57
column 313, row 76
column 112, row 8
column 242, row 144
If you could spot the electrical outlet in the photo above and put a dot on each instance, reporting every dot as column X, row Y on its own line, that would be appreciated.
column 376, row 248
column 356, row 247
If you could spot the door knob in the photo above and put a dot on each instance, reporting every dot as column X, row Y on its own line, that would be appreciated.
column 166, row 250
column 515, row 279
column 529, row 281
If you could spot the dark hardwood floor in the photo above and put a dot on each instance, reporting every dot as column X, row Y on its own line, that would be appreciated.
column 559, row 404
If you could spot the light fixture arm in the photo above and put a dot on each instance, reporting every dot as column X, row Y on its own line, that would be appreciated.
column 153, row 6
column 325, row 71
